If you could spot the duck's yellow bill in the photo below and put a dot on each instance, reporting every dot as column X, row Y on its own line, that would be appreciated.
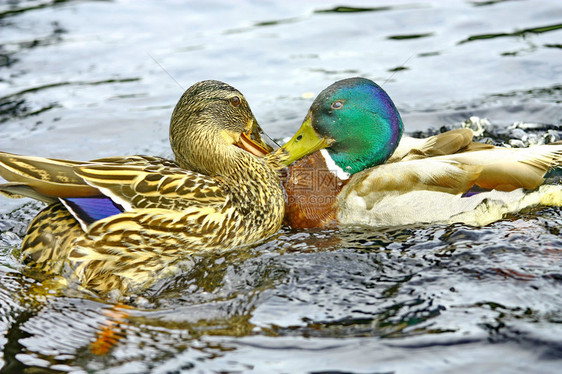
column 306, row 141
column 256, row 141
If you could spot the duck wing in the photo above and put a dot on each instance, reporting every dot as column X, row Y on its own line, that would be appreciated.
column 507, row 169
column 47, row 179
column 432, row 174
column 93, row 190
column 141, row 186
column 453, row 141
column 41, row 178
column 130, row 181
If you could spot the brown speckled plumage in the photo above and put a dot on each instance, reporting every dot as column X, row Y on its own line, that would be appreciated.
column 214, row 196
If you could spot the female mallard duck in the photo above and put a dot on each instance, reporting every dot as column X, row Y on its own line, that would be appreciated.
column 122, row 223
column 364, row 173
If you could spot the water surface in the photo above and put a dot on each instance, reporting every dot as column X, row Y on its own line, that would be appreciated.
column 87, row 79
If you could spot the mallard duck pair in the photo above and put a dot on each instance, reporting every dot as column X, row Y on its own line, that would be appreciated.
column 123, row 223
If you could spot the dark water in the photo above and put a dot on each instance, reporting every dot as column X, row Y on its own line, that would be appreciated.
column 86, row 79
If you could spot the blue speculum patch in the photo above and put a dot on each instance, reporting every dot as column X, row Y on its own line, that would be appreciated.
column 91, row 209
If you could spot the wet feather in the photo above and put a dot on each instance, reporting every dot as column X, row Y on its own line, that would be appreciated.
column 214, row 196
column 444, row 178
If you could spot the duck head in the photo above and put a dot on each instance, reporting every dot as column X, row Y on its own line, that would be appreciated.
column 210, row 123
column 355, row 120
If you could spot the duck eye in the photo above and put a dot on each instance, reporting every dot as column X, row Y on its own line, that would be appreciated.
column 235, row 100
column 338, row 104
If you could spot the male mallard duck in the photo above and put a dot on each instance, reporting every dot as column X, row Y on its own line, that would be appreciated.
column 363, row 175
column 124, row 222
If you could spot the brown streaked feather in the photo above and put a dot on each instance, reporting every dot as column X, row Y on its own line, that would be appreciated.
column 59, row 178
column 49, row 177
column 140, row 186
column 49, row 238
column 136, row 160
column 135, row 249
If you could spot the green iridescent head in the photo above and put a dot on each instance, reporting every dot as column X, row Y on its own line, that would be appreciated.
column 355, row 120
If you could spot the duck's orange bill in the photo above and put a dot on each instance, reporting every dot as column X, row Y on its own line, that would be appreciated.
column 256, row 141
column 250, row 145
